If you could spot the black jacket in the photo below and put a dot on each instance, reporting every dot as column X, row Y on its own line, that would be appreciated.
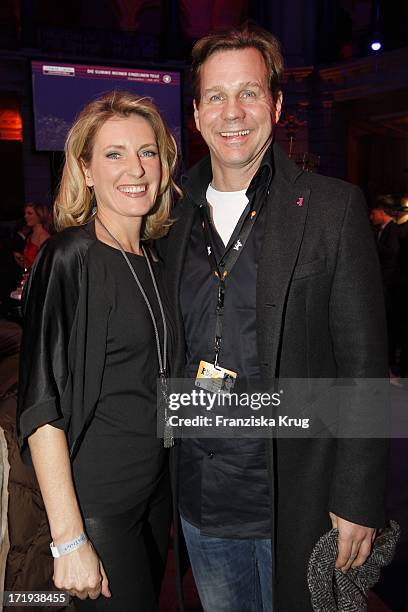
column 64, row 332
column 388, row 250
column 320, row 314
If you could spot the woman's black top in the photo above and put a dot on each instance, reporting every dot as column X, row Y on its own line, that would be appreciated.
column 121, row 458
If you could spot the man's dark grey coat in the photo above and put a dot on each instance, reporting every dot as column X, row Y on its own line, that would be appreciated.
column 320, row 313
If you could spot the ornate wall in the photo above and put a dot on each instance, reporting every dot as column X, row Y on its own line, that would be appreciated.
column 352, row 113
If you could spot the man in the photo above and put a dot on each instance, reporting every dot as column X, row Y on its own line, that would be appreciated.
column 387, row 236
column 388, row 245
column 302, row 298
column 402, row 291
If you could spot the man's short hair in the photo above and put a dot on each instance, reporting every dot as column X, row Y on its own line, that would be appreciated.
column 244, row 37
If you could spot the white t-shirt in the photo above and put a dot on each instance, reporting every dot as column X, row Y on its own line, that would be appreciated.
column 226, row 210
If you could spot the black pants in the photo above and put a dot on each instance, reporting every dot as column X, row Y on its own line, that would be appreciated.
column 133, row 549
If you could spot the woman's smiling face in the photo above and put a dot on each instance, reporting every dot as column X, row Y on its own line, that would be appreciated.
column 125, row 168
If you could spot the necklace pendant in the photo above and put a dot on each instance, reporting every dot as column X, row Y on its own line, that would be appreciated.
column 168, row 440
column 168, row 434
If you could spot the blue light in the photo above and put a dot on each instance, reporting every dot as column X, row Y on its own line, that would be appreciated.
column 376, row 46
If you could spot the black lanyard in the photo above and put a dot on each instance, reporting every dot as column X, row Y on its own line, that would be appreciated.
column 229, row 261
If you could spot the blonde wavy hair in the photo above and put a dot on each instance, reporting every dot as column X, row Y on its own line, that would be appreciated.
column 75, row 201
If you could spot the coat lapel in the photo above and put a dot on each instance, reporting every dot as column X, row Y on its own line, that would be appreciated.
column 177, row 247
column 194, row 187
column 287, row 207
column 176, row 252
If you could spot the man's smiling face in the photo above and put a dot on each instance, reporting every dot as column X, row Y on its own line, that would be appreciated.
column 236, row 113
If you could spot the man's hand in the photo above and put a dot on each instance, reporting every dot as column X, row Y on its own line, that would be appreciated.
column 354, row 543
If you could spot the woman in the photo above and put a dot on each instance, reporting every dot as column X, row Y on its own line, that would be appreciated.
column 36, row 217
column 96, row 323
column 32, row 235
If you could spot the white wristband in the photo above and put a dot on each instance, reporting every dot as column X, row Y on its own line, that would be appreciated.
column 68, row 547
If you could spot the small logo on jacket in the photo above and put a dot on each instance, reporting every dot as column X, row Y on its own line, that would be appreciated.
column 300, row 201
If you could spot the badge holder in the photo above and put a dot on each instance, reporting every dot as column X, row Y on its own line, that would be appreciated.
column 214, row 378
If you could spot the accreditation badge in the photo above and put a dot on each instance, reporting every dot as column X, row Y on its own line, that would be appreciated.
column 214, row 378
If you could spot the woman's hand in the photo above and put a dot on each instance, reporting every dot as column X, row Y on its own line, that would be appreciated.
column 19, row 259
column 81, row 573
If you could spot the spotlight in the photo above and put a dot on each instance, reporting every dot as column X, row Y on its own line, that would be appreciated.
column 376, row 29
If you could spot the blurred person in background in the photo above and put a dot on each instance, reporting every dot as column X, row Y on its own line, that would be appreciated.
column 37, row 219
column 402, row 294
column 388, row 245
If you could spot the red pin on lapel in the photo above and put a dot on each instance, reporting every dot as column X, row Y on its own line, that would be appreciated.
column 300, row 201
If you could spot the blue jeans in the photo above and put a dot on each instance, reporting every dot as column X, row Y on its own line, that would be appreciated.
column 231, row 575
